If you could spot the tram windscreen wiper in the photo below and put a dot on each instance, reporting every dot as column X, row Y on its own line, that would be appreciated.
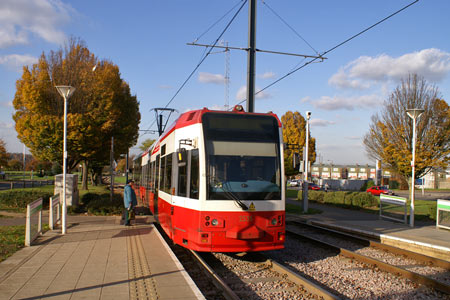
column 230, row 193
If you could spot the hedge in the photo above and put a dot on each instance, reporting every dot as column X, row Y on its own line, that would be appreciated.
column 18, row 199
column 350, row 199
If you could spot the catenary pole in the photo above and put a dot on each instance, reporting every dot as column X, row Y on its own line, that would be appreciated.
column 251, row 56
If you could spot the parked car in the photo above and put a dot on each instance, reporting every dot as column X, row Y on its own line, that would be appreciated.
column 376, row 190
column 293, row 183
column 313, row 186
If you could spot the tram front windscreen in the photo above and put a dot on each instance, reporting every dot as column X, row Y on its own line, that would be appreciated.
column 243, row 157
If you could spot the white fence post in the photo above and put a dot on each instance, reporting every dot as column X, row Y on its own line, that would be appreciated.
column 54, row 206
column 33, row 208
column 442, row 208
column 399, row 201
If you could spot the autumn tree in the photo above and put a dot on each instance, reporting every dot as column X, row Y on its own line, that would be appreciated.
column 101, row 107
column 3, row 154
column 294, row 135
column 391, row 131
column 146, row 144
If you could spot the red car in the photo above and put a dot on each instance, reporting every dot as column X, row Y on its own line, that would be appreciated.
column 313, row 186
column 376, row 190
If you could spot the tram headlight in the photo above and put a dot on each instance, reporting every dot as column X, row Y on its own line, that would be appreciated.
column 274, row 221
column 214, row 222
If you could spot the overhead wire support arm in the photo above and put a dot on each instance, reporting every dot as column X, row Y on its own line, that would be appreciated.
column 259, row 50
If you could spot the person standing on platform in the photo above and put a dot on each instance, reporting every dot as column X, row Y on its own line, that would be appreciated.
column 129, row 201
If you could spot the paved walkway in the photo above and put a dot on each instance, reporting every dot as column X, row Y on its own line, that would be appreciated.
column 424, row 237
column 97, row 259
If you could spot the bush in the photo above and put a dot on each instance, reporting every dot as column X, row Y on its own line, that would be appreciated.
column 351, row 199
column 317, row 196
column 18, row 199
column 88, row 197
column 102, row 205
column 300, row 195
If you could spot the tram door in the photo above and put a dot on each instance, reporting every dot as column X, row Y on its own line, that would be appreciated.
column 156, row 185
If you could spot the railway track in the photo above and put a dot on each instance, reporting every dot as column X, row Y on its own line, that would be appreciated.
column 301, row 271
column 253, row 276
column 419, row 268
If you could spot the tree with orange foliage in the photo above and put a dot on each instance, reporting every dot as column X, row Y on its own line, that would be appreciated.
column 3, row 155
column 101, row 107
column 294, row 134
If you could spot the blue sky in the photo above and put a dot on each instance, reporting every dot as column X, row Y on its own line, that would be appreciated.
column 147, row 40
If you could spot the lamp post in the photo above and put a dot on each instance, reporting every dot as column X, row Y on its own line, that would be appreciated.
column 65, row 91
column 305, row 183
column 308, row 116
column 413, row 113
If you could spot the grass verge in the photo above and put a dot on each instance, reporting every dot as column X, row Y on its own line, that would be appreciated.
column 12, row 238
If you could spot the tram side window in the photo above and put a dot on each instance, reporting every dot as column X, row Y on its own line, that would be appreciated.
column 168, row 180
column 182, row 179
column 157, row 173
column 144, row 176
column 195, row 167
column 152, row 177
column 162, row 173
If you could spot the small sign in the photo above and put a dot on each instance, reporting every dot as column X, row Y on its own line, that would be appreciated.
column 251, row 207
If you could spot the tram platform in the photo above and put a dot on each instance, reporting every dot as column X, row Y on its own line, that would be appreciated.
column 423, row 238
column 97, row 259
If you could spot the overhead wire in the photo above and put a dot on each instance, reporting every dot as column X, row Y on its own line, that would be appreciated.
column 205, row 55
column 333, row 48
column 289, row 26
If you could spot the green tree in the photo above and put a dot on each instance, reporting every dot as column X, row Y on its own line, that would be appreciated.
column 294, row 135
column 3, row 154
column 101, row 107
column 390, row 135
column 146, row 144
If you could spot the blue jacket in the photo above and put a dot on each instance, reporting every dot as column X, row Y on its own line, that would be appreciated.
column 129, row 197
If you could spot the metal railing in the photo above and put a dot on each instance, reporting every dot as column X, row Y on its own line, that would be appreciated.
column 392, row 203
column 443, row 214
column 33, row 230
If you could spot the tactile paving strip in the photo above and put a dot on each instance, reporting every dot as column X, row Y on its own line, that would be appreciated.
column 142, row 285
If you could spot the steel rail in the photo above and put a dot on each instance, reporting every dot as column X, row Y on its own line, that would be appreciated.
column 227, row 292
column 308, row 285
column 418, row 278
column 370, row 243
column 297, row 279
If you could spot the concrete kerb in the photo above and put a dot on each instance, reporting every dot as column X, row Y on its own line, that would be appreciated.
column 186, row 276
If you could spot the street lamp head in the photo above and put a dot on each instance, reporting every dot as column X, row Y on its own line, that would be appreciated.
column 414, row 113
column 65, row 90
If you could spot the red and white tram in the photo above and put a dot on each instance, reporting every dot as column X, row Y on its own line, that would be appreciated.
column 215, row 181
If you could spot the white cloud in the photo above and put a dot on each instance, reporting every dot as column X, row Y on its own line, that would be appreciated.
column 353, row 138
column 242, row 94
column 433, row 64
column 4, row 125
column 6, row 104
column 211, row 78
column 321, row 123
column 17, row 61
column 347, row 103
column 19, row 18
column 267, row 75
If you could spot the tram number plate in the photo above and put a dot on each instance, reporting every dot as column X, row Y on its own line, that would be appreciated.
column 246, row 219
